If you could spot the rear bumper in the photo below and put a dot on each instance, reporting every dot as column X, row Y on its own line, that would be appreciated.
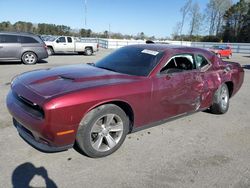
column 35, row 142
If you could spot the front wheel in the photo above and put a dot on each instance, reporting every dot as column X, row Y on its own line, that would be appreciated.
column 50, row 51
column 88, row 51
column 29, row 58
column 102, row 131
column 221, row 100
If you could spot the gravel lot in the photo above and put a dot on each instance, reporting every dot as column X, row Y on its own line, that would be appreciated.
column 201, row 150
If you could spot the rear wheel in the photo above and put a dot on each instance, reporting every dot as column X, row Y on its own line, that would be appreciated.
column 102, row 131
column 88, row 51
column 29, row 58
column 230, row 56
column 221, row 100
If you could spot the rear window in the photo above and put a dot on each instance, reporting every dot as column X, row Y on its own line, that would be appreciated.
column 8, row 39
column 25, row 39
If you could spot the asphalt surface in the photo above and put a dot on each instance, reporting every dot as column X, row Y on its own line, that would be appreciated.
column 200, row 150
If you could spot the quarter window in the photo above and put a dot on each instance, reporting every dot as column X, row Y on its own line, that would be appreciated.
column 201, row 61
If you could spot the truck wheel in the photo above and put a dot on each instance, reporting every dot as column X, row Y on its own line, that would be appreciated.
column 102, row 131
column 221, row 100
column 50, row 51
column 88, row 51
column 29, row 58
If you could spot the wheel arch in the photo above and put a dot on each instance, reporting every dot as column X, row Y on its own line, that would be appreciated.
column 125, row 106
column 29, row 51
column 230, row 86
column 90, row 47
column 49, row 46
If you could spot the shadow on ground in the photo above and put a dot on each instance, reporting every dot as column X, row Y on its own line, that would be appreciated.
column 19, row 62
column 24, row 173
column 70, row 54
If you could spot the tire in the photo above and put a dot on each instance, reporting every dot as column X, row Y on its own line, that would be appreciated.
column 29, row 58
column 102, row 131
column 50, row 51
column 221, row 100
column 88, row 51
column 230, row 56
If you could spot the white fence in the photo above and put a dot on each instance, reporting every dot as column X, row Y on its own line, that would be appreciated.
column 113, row 43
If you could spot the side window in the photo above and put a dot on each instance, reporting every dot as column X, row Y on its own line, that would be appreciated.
column 8, row 39
column 69, row 39
column 28, row 40
column 179, row 63
column 61, row 40
column 201, row 61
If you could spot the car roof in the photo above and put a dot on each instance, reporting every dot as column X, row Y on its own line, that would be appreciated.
column 169, row 47
column 17, row 33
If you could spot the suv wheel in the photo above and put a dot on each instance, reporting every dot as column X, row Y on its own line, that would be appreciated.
column 29, row 58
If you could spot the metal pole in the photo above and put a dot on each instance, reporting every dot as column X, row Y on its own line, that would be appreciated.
column 85, row 12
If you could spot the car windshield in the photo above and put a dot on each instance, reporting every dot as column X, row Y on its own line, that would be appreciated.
column 131, row 60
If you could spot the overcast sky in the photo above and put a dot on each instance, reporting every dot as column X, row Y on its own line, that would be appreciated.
column 153, row 17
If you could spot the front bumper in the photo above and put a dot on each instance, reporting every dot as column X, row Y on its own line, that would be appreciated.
column 36, row 130
column 35, row 142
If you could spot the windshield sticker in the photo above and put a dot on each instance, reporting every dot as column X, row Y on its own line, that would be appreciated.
column 150, row 52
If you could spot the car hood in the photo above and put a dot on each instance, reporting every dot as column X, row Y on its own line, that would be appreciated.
column 56, row 81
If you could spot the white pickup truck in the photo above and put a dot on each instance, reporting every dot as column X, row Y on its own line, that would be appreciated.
column 62, row 44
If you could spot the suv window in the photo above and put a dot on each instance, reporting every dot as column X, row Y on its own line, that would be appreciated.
column 201, row 61
column 8, row 39
column 28, row 40
column 179, row 63
column 69, row 39
column 61, row 40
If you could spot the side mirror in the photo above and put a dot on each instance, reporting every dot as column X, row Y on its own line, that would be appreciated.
column 57, row 41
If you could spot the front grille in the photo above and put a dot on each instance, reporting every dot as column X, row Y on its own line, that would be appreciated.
column 28, row 106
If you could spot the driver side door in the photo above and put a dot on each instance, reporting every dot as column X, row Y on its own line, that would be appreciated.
column 177, row 88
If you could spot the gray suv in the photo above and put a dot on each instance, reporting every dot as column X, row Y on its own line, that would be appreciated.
column 28, row 48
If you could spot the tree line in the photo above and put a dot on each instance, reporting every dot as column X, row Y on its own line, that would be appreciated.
column 221, row 21
column 53, row 29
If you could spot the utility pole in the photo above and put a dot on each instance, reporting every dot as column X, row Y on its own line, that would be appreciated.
column 85, row 13
column 109, row 30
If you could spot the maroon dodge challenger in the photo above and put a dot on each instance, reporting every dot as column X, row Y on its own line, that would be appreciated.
column 94, row 106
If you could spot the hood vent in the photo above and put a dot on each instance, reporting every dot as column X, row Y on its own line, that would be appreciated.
column 66, row 78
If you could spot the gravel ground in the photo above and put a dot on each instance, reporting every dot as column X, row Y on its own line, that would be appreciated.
column 200, row 150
